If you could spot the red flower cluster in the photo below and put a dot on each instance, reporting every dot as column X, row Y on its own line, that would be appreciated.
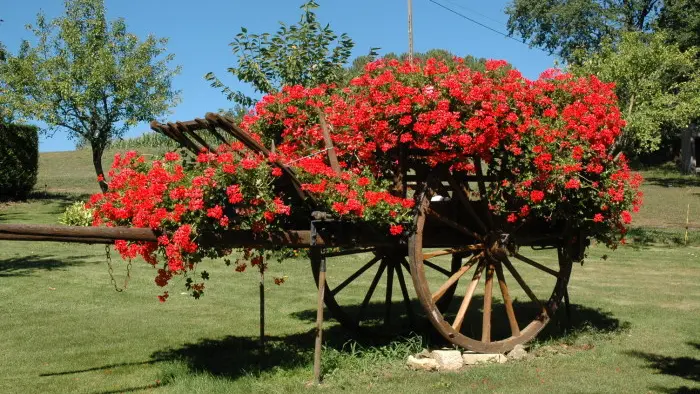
column 226, row 189
column 353, row 196
column 553, row 135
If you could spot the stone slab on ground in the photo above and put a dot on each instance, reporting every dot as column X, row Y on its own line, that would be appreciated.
column 425, row 364
column 518, row 353
column 472, row 358
column 448, row 360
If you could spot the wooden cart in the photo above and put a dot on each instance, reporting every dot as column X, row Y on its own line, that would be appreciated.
column 456, row 240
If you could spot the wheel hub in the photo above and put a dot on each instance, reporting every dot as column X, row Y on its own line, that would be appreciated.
column 499, row 246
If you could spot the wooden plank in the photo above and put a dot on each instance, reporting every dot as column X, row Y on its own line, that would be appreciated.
column 488, row 301
column 113, row 233
column 523, row 285
column 461, row 313
column 512, row 320
column 404, row 291
column 355, row 275
column 537, row 265
column 328, row 141
column 454, row 278
column 234, row 238
column 430, row 255
column 194, row 135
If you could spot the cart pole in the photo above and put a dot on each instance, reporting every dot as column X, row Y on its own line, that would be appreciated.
column 318, row 258
column 319, row 315
column 262, row 306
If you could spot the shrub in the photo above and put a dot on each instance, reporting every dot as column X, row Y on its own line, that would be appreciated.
column 77, row 215
column 19, row 160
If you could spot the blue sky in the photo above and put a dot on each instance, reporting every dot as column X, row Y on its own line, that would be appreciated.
column 200, row 31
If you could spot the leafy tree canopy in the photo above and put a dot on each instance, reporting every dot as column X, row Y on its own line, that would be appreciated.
column 563, row 27
column 658, row 85
column 89, row 77
column 681, row 19
column 306, row 54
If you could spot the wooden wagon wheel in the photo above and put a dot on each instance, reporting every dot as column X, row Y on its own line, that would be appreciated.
column 369, row 290
column 530, row 272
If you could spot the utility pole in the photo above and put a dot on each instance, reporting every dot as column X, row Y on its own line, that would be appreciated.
column 410, row 31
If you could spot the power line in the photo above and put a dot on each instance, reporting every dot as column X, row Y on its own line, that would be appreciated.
column 500, row 22
column 477, row 22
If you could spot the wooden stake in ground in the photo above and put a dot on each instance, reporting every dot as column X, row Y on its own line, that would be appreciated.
column 261, row 268
column 316, row 254
column 687, row 220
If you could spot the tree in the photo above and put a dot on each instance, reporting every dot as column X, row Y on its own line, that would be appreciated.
column 304, row 54
column 89, row 77
column 2, row 48
column 658, row 86
column 5, row 113
column 563, row 27
column 681, row 19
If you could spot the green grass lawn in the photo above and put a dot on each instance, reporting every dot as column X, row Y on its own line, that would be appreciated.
column 635, row 325
column 669, row 199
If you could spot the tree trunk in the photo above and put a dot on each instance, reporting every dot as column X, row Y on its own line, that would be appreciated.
column 688, row 159
column 97, row 152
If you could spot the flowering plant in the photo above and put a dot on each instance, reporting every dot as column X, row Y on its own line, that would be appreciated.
column 548, row 141
column 229, row 189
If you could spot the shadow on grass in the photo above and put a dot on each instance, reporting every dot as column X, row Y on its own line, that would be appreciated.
column 676, row 181
column 112, row 366
column 42, row 195
column 582, row 320
column 131, row 389
column 60, row 200
column 102, row 368
column 684, row 367
column 645, row 237
column 233, row 357
column 25, row 265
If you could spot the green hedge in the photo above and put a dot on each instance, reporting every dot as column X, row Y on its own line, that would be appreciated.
column 19, row 160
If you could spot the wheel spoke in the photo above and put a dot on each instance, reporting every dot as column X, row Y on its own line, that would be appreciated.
column 406, row 266
column 437, row 268
column 514, row 328
column 522, row 283
column 404, row 291
column 452, row 223
column 427, row 256
column 537, row 265
column 459, row 319
column 355, row 275
column 454, row 278
column 389, row 288
column 488, row 301
column 464, row 199
column 370, row 291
